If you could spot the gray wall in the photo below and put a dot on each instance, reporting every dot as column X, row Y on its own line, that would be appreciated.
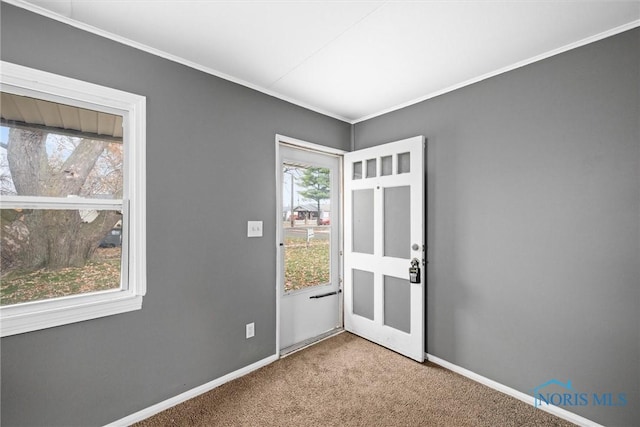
column 534, row 222
column 534, row 229
column 211, row 160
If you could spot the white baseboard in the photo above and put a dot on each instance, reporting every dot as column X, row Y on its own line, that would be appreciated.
column 190, row 394
column 555, row 410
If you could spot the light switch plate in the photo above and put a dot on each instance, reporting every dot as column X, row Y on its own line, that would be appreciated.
column 254, row 228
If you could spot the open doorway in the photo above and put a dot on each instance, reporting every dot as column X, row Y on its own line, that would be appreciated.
column 373, row 250
column 309, row 264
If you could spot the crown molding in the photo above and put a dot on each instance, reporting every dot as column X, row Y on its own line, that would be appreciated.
column 565, row 48
column 174, row 58
column 162, row 54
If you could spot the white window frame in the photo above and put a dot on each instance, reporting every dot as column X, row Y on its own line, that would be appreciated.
column 36, row 315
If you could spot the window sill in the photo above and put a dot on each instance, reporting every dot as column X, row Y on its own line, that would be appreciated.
column 35, row 316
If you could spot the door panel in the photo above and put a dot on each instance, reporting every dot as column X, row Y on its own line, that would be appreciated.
column 362, row 293
column 383, row 233
column 397, row 222
column 363, row 227
column 397, row 303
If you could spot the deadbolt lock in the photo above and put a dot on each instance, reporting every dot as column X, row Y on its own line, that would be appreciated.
column 414, row 271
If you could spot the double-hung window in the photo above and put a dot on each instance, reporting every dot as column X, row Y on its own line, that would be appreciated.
column 72, row 200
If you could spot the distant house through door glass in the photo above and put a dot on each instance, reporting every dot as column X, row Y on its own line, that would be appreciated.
column 306, row 195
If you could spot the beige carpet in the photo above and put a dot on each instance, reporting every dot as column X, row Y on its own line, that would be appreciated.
column 348, row 381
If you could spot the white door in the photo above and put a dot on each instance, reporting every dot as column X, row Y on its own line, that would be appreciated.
column 383, row 234
column 308, row 258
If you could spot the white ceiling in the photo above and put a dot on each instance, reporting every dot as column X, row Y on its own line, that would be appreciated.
column 350, row 59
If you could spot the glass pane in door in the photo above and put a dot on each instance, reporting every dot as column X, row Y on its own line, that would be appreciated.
column 371, row 168
column 387, row 166
column 404, row 163
column 306, row 199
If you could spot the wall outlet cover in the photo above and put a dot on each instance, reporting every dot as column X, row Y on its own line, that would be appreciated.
column 250, row 330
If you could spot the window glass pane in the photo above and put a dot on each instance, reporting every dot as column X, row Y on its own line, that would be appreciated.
column 371, row 168
column 357, row 170
column 387, row 164
column 56, row 150
column 404, row 163
column 306, row 196
column 59, row 147
column 50, row 253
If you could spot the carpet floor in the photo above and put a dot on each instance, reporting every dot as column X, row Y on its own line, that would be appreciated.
column 348, row 381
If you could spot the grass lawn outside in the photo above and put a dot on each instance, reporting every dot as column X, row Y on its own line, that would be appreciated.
column 102, row 272
column 304, row 265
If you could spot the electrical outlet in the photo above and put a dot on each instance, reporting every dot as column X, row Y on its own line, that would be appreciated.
column 251, row 329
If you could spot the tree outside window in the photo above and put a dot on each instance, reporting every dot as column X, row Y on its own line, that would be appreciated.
column 50, row 251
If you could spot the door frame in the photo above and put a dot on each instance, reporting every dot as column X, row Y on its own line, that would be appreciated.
column 308, row 146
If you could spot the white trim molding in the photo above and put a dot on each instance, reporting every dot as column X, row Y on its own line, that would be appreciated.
column 197, row 391
column 281, row 140
column 554, row 410
column 304, row 145
column 190, row 394
column 542, row 56
column 162, row 54
column 174, row 58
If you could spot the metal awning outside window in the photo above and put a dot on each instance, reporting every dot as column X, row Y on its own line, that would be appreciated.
column 26, row 112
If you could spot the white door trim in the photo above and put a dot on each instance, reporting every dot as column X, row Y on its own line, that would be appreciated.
column 298, row 143
column 304, row 145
